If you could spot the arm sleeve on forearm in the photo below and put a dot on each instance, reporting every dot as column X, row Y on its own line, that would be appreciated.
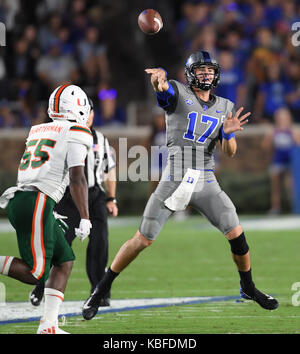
column 167, row 100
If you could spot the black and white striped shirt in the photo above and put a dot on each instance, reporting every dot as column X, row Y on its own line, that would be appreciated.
column 100, row 160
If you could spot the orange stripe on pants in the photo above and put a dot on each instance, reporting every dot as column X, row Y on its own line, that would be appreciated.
column 37, row 239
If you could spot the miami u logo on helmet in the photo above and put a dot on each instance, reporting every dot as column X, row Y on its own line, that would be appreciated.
column 79, row 103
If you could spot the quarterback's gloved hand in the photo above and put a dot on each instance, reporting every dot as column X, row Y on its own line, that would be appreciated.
column 84, row 229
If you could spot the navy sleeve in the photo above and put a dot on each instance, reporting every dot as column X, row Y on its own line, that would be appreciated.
column 167, row 100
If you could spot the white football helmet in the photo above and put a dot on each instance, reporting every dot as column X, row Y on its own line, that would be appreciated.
column 69, row 102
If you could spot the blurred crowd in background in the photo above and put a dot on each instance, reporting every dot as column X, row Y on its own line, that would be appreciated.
column 97, row 45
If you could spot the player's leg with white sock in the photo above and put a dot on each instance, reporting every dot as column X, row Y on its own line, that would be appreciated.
column 54, row 294
column 53, row 300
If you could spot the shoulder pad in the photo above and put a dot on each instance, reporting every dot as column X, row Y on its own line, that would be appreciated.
column 179, row 85
column 231, row 106
column 173, row 82
column 99, row 134
column 80, row 134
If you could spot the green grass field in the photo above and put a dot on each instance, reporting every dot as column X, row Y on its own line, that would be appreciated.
column 188, row 259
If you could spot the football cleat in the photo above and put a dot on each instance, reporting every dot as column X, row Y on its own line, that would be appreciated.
column 47, row 327
column 244, row 296
column 90, row 307
column 104, row 302
column 264, row 300
column 36, row 296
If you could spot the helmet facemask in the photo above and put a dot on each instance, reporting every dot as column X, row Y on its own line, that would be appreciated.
column 203, row 85
column 197, row 60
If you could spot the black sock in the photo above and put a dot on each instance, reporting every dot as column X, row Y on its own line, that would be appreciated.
column 40, row 286
column 247, row 282
column 103, row 287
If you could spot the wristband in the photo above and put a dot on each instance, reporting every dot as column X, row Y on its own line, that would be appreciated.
column 170, row 92
column 111, row 199
column 227, row 136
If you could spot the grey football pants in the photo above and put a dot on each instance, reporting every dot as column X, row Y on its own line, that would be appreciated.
column 207, row 198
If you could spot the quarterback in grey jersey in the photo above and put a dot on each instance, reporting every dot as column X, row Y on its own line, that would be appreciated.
column 195, row 121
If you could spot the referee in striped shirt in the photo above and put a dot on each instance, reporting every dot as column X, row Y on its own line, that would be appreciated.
column 100, row 172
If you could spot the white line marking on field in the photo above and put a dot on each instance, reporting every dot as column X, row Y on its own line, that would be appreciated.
column 284, row 222
column 13, row 312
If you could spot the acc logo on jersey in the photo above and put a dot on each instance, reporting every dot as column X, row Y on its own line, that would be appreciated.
column 189, row 102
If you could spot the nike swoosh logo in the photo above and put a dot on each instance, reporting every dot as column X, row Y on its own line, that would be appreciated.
column 86, row 306
column 219, row 111
column 209, row 181
column 270, row 297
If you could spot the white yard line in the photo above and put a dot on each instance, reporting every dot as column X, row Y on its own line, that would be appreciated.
column 14, row 312
column 259, row 222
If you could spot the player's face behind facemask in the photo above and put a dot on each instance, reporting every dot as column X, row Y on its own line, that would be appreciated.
column 205, row 74
column 200, row 61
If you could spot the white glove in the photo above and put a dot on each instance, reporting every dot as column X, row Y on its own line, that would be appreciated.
column 84, row 229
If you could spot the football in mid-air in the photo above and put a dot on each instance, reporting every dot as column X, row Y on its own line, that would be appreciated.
column 150, row 21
